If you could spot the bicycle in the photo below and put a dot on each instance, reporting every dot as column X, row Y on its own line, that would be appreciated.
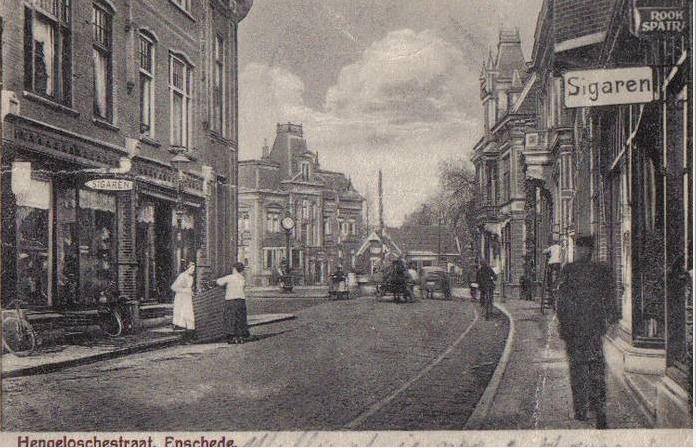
column 18, row 336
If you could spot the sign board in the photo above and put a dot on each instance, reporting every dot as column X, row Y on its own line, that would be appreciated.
column 110, row 184
column 602, row 87
column 659, row 20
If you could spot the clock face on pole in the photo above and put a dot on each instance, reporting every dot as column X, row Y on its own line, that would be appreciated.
column 288, row 223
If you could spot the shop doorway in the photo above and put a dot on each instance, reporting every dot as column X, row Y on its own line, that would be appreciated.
column 163, row 251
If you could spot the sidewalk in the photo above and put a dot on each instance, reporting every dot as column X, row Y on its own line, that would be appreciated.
column 55, row 358
column 531, row 387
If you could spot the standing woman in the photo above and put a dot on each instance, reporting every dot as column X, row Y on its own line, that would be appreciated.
column 235, row 311
column 183, row 301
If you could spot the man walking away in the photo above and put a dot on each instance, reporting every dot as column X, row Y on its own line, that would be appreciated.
column 586, row 308
column 485, row 277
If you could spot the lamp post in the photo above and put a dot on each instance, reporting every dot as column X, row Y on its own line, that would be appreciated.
column 288, row 224
column 179, row 161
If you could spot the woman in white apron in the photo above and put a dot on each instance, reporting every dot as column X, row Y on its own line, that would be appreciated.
column 183, row 300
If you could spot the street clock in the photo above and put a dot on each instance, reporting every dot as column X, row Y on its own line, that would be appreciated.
column 288, row 223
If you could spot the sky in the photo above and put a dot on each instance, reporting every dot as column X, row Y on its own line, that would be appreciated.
column 377, row 84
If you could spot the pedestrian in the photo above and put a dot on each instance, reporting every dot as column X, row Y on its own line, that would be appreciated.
column 485, row 278
column 182, row 316
column 524, row 288
column 413, row 280
column 586, row 308
column 554, row 258
column 235, row 310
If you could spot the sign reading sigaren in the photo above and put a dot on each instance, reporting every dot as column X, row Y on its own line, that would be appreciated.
column 603, row 87
column 110, row 184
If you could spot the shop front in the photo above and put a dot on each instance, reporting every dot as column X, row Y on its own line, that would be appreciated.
column 76, row 231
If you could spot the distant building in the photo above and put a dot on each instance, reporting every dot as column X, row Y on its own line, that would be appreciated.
column 420, row 244
column 498, row 161
column 288, row 180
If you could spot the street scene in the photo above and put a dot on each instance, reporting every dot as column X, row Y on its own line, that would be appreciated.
column 333, row 215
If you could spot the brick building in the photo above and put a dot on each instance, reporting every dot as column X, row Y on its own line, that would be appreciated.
column 622, row 174
column 100, row 99
column 288, row 180
column 497, row 159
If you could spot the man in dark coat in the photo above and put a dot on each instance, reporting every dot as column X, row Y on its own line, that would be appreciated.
column 485, row 277
column 586, row 308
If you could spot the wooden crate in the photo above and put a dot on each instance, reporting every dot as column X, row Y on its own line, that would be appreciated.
column 208, row 308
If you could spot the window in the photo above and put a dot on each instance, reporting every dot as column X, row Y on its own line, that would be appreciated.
column 273, row 257
column 33, row 217
column 218, row 114
column 244, row 221
column 327, row 226
column 505, row 178
column 146, row 58
column 101, row 59
column 47, row 50
column 305, row 210
column 304, row 166
column 273, row 222
column 180, row 101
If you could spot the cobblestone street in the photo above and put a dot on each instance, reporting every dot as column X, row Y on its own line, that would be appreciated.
column 358, row 364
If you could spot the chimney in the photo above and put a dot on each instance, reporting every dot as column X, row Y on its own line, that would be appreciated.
column 265, row 152
column 381, row 204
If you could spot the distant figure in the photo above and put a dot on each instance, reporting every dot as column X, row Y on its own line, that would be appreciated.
column 554, row 259
column 235, row 311
column 586, row 308
column 413, row 280
column 485, row 278
column 183, row 300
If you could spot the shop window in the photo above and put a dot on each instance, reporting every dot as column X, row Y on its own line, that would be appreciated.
column 147, row 252
column 47, row 50
column 97, row 240
column 32, row 232
column 146, row 59
column 102, row 60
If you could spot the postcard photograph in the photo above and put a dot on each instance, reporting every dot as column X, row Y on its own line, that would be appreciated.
column 346, row 222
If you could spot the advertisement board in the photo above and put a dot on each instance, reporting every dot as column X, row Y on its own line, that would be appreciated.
column 603, row 87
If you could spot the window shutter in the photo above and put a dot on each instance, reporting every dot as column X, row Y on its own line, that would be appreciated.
column 28, row 50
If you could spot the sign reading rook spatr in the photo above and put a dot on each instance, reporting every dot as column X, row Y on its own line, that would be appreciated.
column 586, row 88
column 655, row 20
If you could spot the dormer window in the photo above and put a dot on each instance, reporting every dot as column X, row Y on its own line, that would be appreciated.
column 304, row 168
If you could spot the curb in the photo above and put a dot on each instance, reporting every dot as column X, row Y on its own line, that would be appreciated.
column 137, row 348
column 477, row 417
column 280, row 319
column 59, row 365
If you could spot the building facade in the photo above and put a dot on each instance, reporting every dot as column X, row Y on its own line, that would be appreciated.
column 497, row 158
column 328, row 213
column 119, row 147
column 621, row 173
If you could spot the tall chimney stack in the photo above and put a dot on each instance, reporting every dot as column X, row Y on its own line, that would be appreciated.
column 381, row 204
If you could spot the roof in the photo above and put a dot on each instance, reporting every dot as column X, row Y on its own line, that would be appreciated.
column 510, row 57
column 414, row 238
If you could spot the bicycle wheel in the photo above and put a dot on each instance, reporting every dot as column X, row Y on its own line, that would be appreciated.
column 111, row 323
column 18, row 336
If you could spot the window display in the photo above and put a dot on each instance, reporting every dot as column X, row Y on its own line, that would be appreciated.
column 97, row 239
column 33, row 236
